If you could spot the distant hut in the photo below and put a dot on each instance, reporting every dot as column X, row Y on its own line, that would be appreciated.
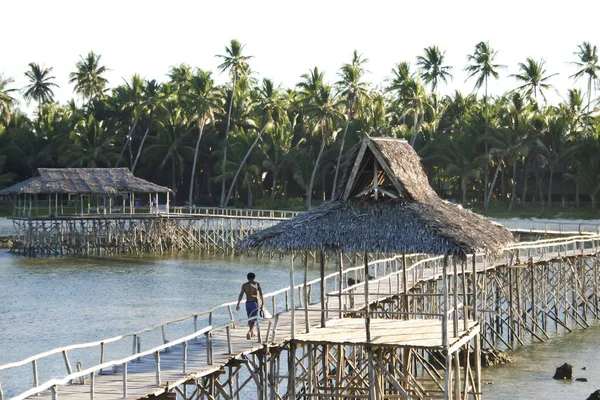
column 81, row 191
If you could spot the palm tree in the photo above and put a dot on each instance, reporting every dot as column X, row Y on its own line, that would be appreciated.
column 534, row 78
column 482, row 66
column 7, row 102
column 170, row 144
column 351, row 89
column 40, row 86
column 127, row 101
column 411, row 97
column 322, row 110
column 587, row 168
column 92, row 145
column 554, row 144
column 237, row 64
column 151, row 103
column 269, row 106
column 588, row 65
column 201, row 100
column 88, row 79
column 279, row 150
column 432, row 69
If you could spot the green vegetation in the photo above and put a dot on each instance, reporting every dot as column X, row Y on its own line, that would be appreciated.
column 251, row 143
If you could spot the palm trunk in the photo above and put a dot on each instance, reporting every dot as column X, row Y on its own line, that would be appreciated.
column 274, row 186
column 413, row 137
column 137, row 156
column 463, row 190
column 550, row 186
column 339, row 159
column 173, row 181
column 493, row 183
column 127, row 143
column 237, row 173
column 487, row 153
column 200, row 129
column 227, row 137
column 514, row 186
column 526, row 179
column 587, row 114
column 312, row 176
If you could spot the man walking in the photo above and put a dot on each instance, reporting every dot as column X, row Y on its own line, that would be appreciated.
column 254, row 301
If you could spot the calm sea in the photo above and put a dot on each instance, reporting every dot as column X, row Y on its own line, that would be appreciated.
column 51, row 302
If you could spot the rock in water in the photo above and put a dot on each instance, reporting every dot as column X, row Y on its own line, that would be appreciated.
column 581, row 379
column 595, row 395
column 565, row 371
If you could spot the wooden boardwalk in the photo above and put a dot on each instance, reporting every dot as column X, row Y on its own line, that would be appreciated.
column 211, row 348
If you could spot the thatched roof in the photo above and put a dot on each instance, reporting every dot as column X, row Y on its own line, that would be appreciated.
column 406, row 216
column 84, row 181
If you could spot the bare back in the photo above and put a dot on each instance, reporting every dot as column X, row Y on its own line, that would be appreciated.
column 251, row 289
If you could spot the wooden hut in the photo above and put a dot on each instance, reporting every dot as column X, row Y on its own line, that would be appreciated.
column 384, row 204
column 82, row 191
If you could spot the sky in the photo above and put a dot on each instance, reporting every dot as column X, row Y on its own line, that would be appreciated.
column 288, row 38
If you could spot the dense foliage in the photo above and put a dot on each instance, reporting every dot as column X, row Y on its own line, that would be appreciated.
column 250, row 142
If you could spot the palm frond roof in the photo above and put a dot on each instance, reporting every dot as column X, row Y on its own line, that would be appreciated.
column 84, row 181
column 384, row 203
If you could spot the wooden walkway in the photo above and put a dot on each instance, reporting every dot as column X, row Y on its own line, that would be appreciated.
column 211, row 348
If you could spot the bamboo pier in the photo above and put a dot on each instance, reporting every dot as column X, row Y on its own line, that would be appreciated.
column 534, row 291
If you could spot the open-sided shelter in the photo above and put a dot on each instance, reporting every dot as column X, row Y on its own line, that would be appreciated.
column 107, row 190
column 383, row 203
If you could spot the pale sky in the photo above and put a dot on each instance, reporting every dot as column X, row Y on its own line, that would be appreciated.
column 288, row 38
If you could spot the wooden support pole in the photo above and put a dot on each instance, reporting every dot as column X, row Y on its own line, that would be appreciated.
column 322, row 284
column 292, row 299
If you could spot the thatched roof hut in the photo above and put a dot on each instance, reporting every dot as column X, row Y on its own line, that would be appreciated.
column 97, row 181
column 384, row 203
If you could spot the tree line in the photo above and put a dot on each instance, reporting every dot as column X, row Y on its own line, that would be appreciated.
column 251, row 142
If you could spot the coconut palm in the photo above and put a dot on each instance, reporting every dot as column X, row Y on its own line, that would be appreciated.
column 269, row 106
column 482, row 66
column 554, row 145
column 587, row 168
column 7, row 102
column 534, row 78
column 411, row 98
column 40, row 85
column 170, row 143
column 237, row 64
column 279, row 150
column 322, row 110
column 201, row 101
column 88, row 79
column 432, row 69
column 351, row 90
column 92, row 145
column 127, row 100
column 151, row 103
column 588, row 65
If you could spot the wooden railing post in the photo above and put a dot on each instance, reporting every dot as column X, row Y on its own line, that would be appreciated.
column 185, row 357
column 36, row 377
column 209, row 355
column 92, row 384
column 157, row 358
column 124, row 380
column 67, row 363
column 228, row 331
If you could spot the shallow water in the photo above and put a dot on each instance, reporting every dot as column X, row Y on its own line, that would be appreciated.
column 50, row 302
column 530, row 376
